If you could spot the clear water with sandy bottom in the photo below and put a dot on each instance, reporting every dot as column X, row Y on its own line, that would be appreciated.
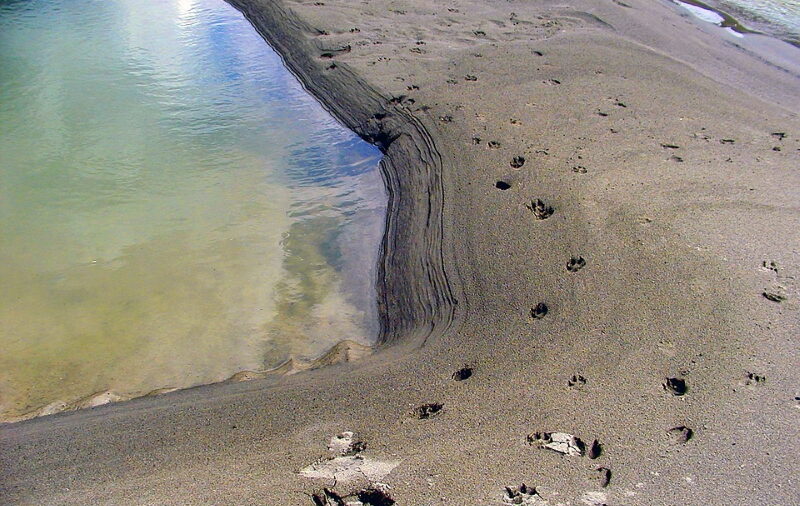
column 174, row 207
column 779, row 18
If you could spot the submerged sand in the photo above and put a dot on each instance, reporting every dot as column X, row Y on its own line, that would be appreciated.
column 629, row 340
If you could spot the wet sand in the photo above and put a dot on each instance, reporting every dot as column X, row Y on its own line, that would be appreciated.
column 630, row 339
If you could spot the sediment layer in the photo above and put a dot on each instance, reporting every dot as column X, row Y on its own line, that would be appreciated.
column 416, row 293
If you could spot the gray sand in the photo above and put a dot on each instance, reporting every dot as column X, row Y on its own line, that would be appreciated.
column 653, row 138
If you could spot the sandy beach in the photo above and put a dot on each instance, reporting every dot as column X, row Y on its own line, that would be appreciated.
column 588, row 281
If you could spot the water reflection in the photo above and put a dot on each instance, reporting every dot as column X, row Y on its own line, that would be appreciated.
column 174, row 207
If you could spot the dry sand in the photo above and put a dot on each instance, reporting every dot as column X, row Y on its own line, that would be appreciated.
column 668, row 152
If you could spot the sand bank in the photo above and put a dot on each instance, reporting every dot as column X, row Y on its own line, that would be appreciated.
column 630, row 339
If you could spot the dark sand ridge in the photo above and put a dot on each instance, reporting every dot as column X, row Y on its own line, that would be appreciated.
column 654, row 141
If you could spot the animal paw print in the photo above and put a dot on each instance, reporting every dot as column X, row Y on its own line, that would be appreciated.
column 675, row 386
column 521, row 495
column 754, row 379
column 576, row 381
column 603, row 476
column 539, row 311
column 539, row 209
column 428, row 410
column 463, row 374
column 575, row 264
column 680, row 434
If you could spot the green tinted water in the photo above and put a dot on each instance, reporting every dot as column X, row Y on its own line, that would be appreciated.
column 780, row 18
column 174, row 208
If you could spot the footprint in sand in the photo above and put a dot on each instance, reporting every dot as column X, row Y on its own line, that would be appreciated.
column 539, row 209
column 517, row 162
column 327, row 497
column 327, row 55
column 675, row 386
column 595, row 450
column 754, row 379
column 575, row 264
column 402, row 99
column 427, row 411
column 539, row 311
column 376, row 494
column 463, row 374
column 576, row 381
column 522, row 494
column 680, row 434
column 602, row 475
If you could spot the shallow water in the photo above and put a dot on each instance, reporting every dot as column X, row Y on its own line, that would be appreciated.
column 174, row 207
column 779, row 18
